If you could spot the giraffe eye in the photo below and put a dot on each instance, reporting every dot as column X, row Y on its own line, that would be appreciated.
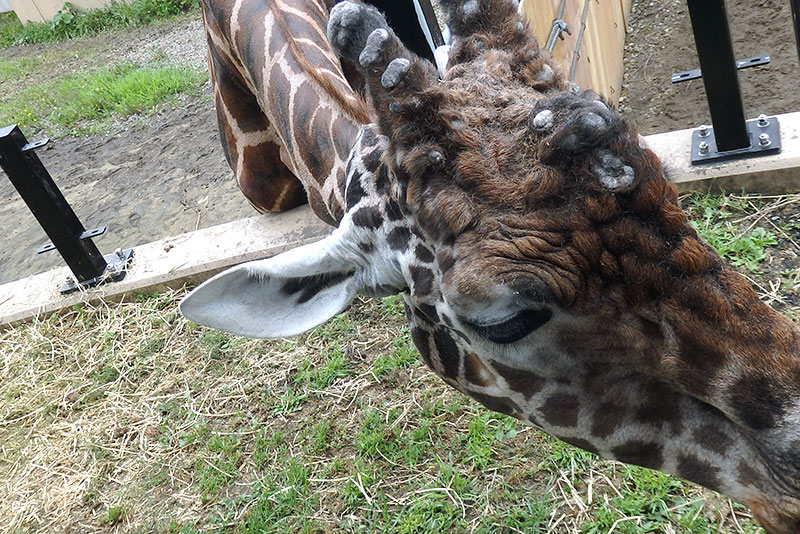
column 514, row 328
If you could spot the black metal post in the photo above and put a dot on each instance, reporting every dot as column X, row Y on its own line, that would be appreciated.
column 48, row 205
column 715, row 49
column 796, row 18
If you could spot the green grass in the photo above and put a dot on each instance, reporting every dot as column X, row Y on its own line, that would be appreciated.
column 71, row 22
column 20, row 67
column 113, row 515
column 403, row 355
column 743, row 248
column 217, row 465
column 80, row 103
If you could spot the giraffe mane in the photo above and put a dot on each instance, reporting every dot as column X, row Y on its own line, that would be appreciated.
column 358, row 112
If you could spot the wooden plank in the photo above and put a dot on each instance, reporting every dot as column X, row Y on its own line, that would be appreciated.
column 626, row 5
column 540, row 14
column 45, row 10
column 604, row 46
column 26, row 11
column 170, row 262
column 774, row 174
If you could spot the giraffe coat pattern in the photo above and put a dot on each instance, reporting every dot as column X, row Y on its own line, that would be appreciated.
column 547, row 269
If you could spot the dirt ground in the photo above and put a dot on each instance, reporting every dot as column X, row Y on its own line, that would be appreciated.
column 660, row 43
column 150, row 178
column 166, row 174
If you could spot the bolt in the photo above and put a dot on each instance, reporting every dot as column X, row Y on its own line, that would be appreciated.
column 118, row 252
column 764, row 140
column 763, row 121
column 703, row 131
column 703, row 146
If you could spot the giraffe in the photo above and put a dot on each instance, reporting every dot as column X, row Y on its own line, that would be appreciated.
column 288, row 117
column 545, row 265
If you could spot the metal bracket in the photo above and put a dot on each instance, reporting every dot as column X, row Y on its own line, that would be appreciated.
column 116, row 269
column 765, row 138
column 88, row 234
column 36, row 144
column 559, row 27
column 29, row 176
column 696, row 74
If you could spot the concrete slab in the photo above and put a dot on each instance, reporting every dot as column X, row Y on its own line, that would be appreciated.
column 170, row 262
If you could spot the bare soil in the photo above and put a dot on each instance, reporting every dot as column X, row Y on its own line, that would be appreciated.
column 660, row 43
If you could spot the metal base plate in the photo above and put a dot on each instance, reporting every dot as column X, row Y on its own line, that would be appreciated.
column 704, row 143
column 115, row 271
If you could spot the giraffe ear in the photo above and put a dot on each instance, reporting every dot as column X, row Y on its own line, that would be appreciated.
column 277, row 297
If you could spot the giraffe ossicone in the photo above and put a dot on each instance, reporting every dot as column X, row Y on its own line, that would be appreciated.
column 546, row 267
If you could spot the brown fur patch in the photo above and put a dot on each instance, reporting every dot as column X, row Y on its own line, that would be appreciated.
column 518, row 380
column 561, row 410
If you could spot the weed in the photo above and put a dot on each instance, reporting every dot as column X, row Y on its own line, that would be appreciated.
column 485, row 430
column 393, row 306
column 113, row 515
column 19, row 68
column 743, row 249
column 266, row 446
column 568, row 458
column 106, row 375
column 288, row 402
column 150, row 347
column 319, row 438
column 218, row 465
column 284, row 503
column 432, row 512
column 175, row 527
column 317, row 377
column 519, row 513
column 217, row 344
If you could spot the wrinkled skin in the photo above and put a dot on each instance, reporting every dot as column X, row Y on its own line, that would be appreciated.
column 547, row 269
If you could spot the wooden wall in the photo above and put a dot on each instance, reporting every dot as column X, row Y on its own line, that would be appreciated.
column 44, row 10
column 600, row 64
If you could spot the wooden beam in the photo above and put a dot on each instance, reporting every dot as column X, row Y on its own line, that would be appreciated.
column 171, row 262
column 774, row 174
column 26, row 11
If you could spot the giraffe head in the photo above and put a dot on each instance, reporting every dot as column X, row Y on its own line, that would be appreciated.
column 547, row 269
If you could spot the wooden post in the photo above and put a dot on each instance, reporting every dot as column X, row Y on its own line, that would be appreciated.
column 599, row 65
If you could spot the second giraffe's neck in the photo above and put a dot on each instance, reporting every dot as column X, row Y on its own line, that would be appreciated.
column 299, row 83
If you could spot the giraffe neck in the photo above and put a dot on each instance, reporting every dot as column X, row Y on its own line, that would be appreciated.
column 281, row 94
